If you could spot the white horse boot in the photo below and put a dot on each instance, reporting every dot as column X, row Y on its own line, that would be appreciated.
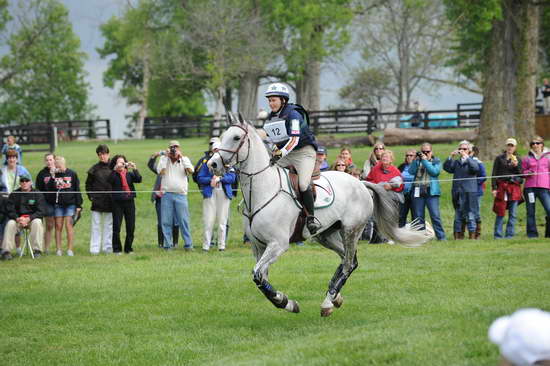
column 312, row 224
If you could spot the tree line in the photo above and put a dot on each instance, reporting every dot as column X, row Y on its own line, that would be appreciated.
column 167, row 56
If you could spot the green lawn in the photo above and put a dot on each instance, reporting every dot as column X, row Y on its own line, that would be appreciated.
column 425, row 306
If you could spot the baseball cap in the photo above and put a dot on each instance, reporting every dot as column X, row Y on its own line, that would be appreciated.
column 174, row 143
column 321, row 150
column 24, row 177
column 523, row 337
column 511, row 141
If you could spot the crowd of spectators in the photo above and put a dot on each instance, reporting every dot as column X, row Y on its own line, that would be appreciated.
column 55, row 204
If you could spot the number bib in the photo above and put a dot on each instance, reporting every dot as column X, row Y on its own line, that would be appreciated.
column 276, row 130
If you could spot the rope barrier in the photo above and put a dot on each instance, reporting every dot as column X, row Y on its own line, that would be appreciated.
column 198, row 190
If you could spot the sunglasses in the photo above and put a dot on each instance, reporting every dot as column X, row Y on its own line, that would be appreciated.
column 378, row 148
column 409, row 155
column 463, row 148
column 536, row 143
column 340, row 164
column 24, row 180
column 426, row 152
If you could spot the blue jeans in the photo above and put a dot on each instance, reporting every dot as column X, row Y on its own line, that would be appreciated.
column 512, row 207
column 419, row 205
column 543, row 195
column 467, row 209
column 171, row 205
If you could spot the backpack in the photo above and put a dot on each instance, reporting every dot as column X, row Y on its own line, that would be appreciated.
column 198, row 167
column 300, row 109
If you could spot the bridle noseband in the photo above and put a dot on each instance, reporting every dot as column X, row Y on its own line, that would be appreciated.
column 236, row 151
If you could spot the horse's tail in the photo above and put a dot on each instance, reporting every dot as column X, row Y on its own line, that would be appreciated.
column 386, row 216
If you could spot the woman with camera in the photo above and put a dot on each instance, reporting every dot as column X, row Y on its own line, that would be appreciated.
column 425, row 191
column 536, row 167
column 67, row 201
column 506, row 189
column 122, row 180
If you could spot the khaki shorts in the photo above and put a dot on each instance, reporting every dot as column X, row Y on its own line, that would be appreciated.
column 304, row 162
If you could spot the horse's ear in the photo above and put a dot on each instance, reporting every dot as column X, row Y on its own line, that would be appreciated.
column 227, row 119
column 231, row 118
column 241, row 119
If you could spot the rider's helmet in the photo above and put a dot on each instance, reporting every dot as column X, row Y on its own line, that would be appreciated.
column 277, row 89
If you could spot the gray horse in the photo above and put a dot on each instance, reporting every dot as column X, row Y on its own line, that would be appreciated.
column 270, row 214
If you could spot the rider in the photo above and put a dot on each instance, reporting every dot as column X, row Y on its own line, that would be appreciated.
column 294, row 144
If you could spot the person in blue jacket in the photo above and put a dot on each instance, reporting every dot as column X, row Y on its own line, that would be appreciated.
column 217, row 193
column 464, row 189
column 294, row 144
column 425, row 191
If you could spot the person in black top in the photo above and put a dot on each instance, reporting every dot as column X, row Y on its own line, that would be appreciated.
column 64, row 188
column 42, row 180
column 122, row 180
column 101, row 235
column 24, row 210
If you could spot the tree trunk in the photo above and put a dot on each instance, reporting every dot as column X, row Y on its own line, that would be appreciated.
column 308, row 85
column 509, row 87
column 248, row 95
column 219, row 111
column 144, row 95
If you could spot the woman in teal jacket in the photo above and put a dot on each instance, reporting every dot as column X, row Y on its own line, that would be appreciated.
column 425, row 190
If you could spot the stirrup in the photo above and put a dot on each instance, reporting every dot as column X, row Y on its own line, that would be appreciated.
column 313, row 224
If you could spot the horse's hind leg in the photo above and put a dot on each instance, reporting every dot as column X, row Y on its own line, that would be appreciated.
column 348, row 241
column 260, row 278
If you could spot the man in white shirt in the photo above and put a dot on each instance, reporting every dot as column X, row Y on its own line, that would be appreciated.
column 174, row 168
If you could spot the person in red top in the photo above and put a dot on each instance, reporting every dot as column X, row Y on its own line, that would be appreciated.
column 387, row 175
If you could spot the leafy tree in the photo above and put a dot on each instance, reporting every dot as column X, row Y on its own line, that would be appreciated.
column 404, row 44
column 500, row 38
column 133, row 43
column 368, row 87
column 312, row 31
column 44, row 77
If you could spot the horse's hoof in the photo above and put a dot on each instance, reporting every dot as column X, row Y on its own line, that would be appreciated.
column 338, row 301
column 326, row 312
column 292, row 306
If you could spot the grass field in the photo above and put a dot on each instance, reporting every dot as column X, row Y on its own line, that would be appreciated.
column 425, row 306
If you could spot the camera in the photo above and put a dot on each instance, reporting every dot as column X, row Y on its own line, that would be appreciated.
column 126, row 165
column 419, row 154
column 173, row 150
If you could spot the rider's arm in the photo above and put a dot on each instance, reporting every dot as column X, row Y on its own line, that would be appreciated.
column 295, row 120
column 290, row 145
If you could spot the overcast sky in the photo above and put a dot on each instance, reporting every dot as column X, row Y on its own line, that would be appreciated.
column 88, row 15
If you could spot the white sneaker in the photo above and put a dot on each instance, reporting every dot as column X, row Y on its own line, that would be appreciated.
column 70, row 253
column 59, row 252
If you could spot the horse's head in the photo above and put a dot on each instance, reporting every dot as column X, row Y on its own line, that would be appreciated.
column 234, row 146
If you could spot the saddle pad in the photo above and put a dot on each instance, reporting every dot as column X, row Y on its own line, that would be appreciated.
column 325, row 193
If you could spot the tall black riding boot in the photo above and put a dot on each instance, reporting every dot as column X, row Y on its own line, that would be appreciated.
column 547, row 231
column 312, row 225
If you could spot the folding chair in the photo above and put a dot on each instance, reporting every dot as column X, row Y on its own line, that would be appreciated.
column 26, row 242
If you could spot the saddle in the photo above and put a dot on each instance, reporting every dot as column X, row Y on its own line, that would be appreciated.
column 297, row 234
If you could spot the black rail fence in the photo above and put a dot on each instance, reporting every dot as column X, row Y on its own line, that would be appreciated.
column 367, row 120
column 38, row 134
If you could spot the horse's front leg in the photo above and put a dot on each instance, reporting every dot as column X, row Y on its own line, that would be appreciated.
column 260, row 278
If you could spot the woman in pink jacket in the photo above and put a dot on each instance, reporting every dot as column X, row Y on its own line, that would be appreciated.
column 536, row 167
